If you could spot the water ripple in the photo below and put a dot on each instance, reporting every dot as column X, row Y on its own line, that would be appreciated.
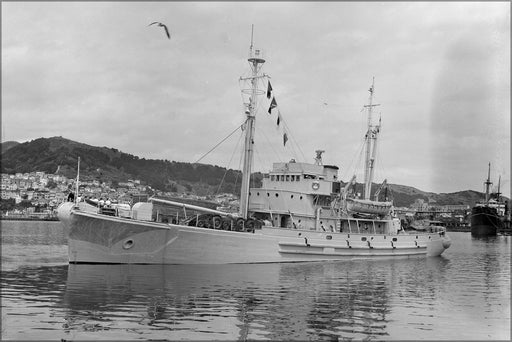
column 361, row 300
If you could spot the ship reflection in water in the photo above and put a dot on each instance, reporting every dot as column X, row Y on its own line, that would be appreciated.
column 357, row 299
column 235, row 301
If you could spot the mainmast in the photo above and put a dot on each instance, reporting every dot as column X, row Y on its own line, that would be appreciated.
column 371, row 145
column 255, row 61
column 488, row 184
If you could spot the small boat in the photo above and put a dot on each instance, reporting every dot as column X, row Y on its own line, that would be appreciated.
column 301, row 213
column 488, row 216
column 368, row 207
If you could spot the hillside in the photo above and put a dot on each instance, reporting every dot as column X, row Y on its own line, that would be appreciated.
column 8, row 144
column 59, row 155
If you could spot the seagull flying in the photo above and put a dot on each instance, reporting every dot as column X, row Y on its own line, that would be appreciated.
column 162, row 25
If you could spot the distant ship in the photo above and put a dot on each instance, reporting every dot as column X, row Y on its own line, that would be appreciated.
column 487, row 216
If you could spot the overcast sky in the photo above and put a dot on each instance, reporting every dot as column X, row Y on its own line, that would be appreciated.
column 96, row 73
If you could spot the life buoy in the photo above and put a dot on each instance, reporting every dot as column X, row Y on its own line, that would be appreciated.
column 315, row 185
column 240, row 223
column 226, row 225
column 217, row 222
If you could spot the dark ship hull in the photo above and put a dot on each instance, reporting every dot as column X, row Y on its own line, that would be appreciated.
column 484, row 221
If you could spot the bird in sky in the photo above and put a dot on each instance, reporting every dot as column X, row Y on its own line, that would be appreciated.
column 162, row 25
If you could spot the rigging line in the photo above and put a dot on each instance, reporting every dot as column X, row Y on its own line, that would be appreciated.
column 253, row 180
column 263, row 91
column 241, row 84
column 230, row 134
column 293, row 139
column 239, row 165
column 353, row 165
column 284, row 125
column 259, row 158
column 381, row 170
column 267, row 140
column 229, row 163
column 360, row 157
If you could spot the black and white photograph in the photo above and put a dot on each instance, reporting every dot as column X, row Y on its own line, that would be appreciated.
column 255, row 171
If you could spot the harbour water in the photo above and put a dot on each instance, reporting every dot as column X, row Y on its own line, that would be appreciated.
column 462, row 295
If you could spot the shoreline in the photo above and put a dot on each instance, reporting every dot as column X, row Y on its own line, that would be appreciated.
column 4, row 218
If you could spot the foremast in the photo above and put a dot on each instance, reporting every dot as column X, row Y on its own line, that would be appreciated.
column 256, row 61
column 371, row 145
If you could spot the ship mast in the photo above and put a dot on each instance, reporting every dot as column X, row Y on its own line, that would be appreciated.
column 371, row 145
column 498, row 194
column 255, row 61
column 488, row 184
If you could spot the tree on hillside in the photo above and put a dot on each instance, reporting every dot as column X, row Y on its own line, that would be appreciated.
column 7, row 204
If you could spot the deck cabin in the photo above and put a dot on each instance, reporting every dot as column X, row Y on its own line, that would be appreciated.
column 298, row 195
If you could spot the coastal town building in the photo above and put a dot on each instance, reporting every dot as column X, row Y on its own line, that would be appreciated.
column 45, row 192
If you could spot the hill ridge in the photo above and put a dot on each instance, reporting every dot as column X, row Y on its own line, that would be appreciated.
column 111, row 165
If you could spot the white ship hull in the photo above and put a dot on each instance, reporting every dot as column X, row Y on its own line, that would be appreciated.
column 96, row 238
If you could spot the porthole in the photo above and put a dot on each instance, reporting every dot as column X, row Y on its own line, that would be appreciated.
column 328, row 237
column 291, row 196
column 363, row 238
column 277, row 195
column 394, row 239
column 128, row 244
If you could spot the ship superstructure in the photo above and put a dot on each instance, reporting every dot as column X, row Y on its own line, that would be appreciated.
column 299, row 195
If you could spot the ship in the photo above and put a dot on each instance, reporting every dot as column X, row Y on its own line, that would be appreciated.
column 301, row 213
column 490, row 215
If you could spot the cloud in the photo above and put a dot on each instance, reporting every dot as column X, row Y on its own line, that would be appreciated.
column 96, row 73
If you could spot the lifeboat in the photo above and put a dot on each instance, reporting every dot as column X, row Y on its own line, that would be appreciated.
column 368, row 207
